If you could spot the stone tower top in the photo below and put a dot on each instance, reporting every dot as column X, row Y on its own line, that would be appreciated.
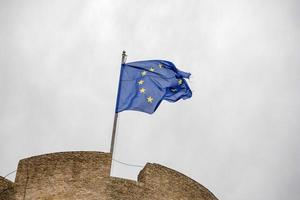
column 85, row 175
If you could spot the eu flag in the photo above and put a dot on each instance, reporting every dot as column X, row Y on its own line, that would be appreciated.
column 144, row 84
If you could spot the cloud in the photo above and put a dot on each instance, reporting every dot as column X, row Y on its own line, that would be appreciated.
column 238, row 135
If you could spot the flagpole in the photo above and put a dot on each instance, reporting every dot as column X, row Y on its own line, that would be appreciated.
column 113, row 137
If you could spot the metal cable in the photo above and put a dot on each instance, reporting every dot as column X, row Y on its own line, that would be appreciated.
column 131, row 165
column 5, row 177
column 10, row 173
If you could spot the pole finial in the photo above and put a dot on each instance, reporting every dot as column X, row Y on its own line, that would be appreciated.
column 124, row 57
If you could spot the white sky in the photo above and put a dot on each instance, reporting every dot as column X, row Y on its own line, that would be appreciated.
column 238, row 135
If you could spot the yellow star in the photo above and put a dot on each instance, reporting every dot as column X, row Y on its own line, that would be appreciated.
column 144, row 73
column 179, row 81
column 150, row 99
column 151, row 69
column 142, row 90
column 160, row 65
column 141, row 82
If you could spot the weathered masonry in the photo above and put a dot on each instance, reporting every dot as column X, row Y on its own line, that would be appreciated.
column 85, row 175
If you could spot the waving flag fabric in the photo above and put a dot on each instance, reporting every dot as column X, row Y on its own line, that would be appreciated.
column 144, row 84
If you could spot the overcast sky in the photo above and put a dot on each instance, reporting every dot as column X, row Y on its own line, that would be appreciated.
column 239, row 133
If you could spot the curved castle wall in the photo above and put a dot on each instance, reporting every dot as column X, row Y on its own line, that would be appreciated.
column 166, row 183
column 85, row 175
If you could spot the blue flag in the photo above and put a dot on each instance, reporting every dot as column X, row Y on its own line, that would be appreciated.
column 144, row 84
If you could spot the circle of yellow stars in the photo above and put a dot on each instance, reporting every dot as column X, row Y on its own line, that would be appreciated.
column 142, row 90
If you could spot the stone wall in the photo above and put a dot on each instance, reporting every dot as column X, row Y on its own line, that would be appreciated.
column 85, row 175
column 165, row 183
column 6, row 189
column 68, row 175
